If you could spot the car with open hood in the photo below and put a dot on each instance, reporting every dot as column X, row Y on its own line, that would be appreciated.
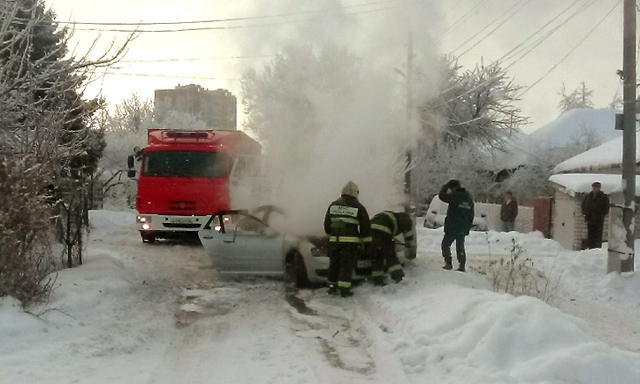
column 241, row 243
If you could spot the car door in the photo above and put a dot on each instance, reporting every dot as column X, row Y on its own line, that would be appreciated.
column 246, row 246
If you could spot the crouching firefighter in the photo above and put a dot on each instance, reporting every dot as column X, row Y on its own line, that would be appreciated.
column 349, row 230
column 385, row 226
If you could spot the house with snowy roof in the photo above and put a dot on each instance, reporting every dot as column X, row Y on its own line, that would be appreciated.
column 576, row 125
column 572, row 182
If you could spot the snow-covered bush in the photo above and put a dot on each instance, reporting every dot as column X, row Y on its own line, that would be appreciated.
column 46, row 137
column 25, row 231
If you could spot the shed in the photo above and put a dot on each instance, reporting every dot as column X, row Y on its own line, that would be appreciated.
column 567, row 224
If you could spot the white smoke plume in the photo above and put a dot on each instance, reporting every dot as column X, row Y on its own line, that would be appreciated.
column 329, row 110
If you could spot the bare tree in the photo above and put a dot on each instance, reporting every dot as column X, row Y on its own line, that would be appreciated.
column 579, row 98
column 475, row 105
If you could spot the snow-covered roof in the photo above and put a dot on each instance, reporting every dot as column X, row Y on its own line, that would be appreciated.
column 572, row 183
column 559, row 133
column 606, row 155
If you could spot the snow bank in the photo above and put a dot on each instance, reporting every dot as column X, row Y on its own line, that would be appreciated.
column 492, row 242
column 14, row 321
column 478, row 336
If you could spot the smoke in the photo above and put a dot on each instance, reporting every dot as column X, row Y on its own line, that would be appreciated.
column 331, row 106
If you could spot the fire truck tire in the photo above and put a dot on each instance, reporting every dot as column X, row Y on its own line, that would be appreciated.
column 148, row 238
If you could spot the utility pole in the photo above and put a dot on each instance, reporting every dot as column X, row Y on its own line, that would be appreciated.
column 409, row 78
column 621, row 256
column 629, row 130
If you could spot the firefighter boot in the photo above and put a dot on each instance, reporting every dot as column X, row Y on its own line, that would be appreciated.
column 378, row 281
column 461, row 267
column 447, row 263
column 333, row 289
column 345, row 292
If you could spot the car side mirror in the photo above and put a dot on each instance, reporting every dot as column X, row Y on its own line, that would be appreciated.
column 131, row 173
column 434, row 212
column 130, row 162
column 483, row 215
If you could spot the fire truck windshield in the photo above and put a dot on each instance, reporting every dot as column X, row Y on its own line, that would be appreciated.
column 186, row 164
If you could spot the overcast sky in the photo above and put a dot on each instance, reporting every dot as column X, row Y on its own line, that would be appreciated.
column 574, row 40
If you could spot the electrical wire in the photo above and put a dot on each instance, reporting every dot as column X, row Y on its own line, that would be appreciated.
column 523, row 4
column 462, row 19
column 234, row 19
column 169, row 76
column 550, row 33
column 234, row 27
column 197, row 59
column 483, row 29
column 572, row 50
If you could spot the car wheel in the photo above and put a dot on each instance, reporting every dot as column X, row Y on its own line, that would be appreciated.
column 296, row 271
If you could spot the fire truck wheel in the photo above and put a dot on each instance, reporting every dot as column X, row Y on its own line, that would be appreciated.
column 148, row 238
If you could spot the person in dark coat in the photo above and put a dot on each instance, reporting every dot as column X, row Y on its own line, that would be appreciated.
column 595, row 207
column 385, row 226
column 349, row 229
column 458, row 222
column 508, row 212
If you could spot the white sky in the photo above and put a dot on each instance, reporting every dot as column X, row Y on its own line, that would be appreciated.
column 375, row 29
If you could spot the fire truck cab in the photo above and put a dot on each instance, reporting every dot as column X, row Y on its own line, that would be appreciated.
column 185, row 176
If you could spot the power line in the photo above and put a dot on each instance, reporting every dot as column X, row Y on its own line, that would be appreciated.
column 522, row 5
column 169, row 76
column 462, row 19
column 572, row 50
column 233, row 27
column 197, row 59
column 548, row 34
column 483, row 29
column 232, row 19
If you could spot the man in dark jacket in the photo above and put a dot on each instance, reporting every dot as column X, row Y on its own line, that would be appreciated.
column 385, row 226
column 347, row 224
column 595, row 207
column 508, row 212
column 457, row 223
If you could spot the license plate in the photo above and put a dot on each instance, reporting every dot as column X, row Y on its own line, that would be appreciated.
column 179, row 220
column 364, row 263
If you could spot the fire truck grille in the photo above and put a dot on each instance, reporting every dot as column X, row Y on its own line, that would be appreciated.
column 184, row 206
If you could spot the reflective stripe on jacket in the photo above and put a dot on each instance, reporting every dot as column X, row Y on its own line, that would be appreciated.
column 395, row 223
column 347, row 221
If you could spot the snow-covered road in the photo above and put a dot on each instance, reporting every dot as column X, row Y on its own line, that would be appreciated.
column 159, row 313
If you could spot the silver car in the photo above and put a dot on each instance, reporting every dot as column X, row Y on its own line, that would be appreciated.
column 437, row 212
column 239, row 243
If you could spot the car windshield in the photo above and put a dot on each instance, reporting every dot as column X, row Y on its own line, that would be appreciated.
column 186, row 164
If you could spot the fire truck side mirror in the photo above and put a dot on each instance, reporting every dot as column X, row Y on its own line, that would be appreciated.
column 130, row 162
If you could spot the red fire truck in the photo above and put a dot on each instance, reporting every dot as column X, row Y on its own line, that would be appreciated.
column 187, row 175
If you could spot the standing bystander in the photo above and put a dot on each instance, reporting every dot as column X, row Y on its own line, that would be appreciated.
column 508, row 212
column 595, row 207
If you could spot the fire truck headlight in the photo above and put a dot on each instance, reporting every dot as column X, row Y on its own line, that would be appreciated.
column 144, row 219
column 145, row 226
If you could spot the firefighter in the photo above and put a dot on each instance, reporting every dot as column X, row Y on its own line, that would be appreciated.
column 385, row 226
column 347, row 224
